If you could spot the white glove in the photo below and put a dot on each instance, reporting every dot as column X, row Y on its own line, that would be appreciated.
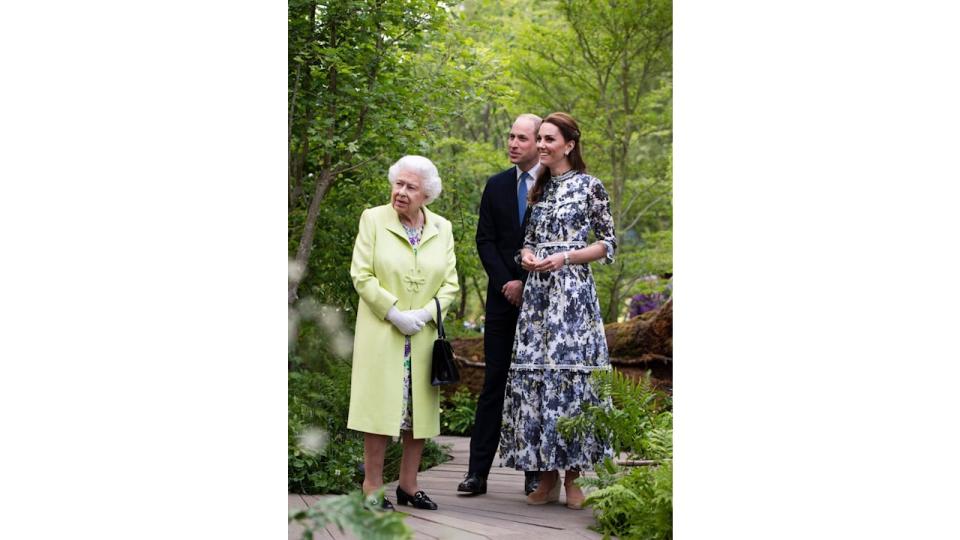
column 406, row 323
column 421, row 315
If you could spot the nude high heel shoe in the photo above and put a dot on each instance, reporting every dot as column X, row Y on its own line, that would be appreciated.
column 546, row 492
column 575, row 496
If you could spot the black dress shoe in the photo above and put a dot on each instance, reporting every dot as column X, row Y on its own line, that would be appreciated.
column 386, row 505
column 531, row 481
column 474, row 483
column 417, row 500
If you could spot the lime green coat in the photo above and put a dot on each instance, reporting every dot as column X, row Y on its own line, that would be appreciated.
column 386, row 271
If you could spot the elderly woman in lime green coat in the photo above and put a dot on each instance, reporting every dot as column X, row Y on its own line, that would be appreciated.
column 403, row 258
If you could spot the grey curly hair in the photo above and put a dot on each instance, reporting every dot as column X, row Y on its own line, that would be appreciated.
column 423, row 168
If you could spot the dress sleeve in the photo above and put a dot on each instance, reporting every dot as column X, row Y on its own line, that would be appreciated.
column 601, row 220
column 365, row 280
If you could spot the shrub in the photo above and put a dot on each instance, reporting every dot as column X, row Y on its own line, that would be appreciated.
column 640, row 421
column 318, row 403
column 654, row 292
column 355, row 513
column 458, row 412
column 637, row 504
column 323, row 456
column 630, row 502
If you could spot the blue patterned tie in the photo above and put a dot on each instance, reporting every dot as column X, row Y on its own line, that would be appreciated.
column 522, row 195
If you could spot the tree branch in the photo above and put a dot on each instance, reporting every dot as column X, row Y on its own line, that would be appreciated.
column 643, row 212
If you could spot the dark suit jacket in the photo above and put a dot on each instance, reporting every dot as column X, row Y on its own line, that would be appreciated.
column 499, row 236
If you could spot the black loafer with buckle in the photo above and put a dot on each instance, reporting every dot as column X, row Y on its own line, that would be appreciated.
column 383, row 503
column 417, row 500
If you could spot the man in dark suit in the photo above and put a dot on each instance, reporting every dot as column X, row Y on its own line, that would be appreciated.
column 500, row 229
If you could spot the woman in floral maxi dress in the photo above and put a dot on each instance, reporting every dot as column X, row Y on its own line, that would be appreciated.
column 560, row 337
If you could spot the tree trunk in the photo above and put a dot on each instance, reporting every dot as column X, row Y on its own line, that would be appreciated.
column 296, row 167
column 463, row 298
column 636, row 346
column 476, row 287
column 309, row 230
column 300, row 169
column 649, row 336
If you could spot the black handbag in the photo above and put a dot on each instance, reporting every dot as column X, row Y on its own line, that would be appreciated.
column 444, row 368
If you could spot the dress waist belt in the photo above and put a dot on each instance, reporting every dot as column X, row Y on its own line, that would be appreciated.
column 561, row 244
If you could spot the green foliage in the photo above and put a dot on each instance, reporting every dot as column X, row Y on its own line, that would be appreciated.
column 372, row 80
column 640, row 420
column 329, row 278
column 457, row 330
column 634, row 505
column 637, row 259
column 318, row 404
column 319, row 401
column 354, row 513
column 469, row 164
column 631, row 502
column 609, row 65
column 458, row 413
column 433, row 454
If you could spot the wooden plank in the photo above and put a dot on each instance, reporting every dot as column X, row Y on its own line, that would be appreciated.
column 546, row 517
column 295, row 531
column 467, row 517
column 504, row 520
column 330, row 531
column 551, row 516
column 502, row 513
column 454, row 478
column 465, row 523
column 335, row 533
column 423, row 528
column 488, row 516
column 553, row 535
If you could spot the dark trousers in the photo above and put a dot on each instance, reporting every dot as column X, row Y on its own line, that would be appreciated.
column 497, row 348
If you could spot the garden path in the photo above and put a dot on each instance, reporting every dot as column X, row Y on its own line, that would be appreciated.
column 501, row 513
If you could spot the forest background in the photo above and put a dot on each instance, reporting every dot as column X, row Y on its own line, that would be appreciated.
column 373, row 80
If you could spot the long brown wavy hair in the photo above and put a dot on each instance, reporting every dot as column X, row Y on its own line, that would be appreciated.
column 571, row 132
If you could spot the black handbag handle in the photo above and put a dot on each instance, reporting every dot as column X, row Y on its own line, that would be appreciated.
column 439, row 320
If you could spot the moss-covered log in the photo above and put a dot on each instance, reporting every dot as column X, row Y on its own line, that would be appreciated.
column 636, row 346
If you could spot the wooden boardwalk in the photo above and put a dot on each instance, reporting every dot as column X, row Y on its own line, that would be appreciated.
column 501, row 513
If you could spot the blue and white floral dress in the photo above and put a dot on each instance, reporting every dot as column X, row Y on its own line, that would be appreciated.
column 560, row 337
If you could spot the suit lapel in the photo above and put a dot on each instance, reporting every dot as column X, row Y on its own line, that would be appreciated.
column 512, row 185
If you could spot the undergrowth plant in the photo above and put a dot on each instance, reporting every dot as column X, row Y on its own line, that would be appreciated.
column 354, row 513
column 458, row 413
column 632, row 502
column 318, row 404
column 640, row 422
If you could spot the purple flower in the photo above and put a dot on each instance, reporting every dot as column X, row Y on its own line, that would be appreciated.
column 642, row 303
